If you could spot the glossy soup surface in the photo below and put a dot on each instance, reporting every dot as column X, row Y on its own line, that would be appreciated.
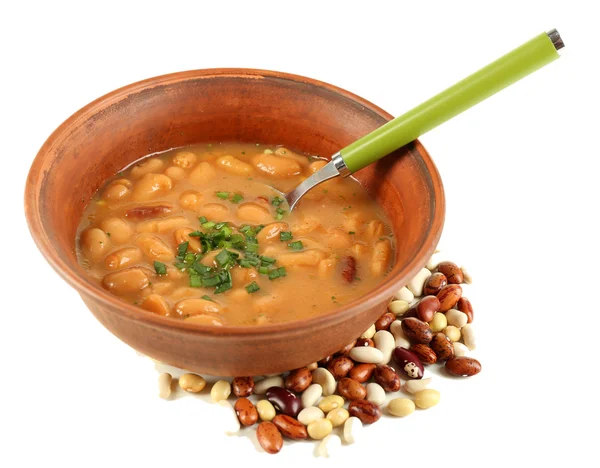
column 198, row 234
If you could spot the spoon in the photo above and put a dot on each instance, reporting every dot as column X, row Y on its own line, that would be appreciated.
column 522, row 61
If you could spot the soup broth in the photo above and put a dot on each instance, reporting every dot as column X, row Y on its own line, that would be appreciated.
column 198, row 234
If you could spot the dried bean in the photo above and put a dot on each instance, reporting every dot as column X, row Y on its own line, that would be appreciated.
column 401, row 407
column 340, row 366
column 261, row 387
column 362, row 372
column 284, row 401
column 416, row 284
column 242, row 386
column 388, row 379
column 289, row 427
column 220, row 391
column 366, row 355
column 451, row 271
column 427, row 307
column 269, row 437
column 426, row 355
column 352, row 428
column 338, row 416
column 414, row 386
column 384, row 342
column 464, row 305
column 246, row 411
column 310, row 414
column 366, row 411
column 449, row 296
column 416, row 330
column 266, row 410
column 364, row 342
column 298, row 380
column 463, row 366
column 427, row 398
column 438, row 322
column 324, row 378
column 409, row 363
column 375, row 393
column 398, row 307
column 442, row 347
column 164, row 385
column 434, row 284
column 384, row 322
column 404, row 294
column 319, row 429
column 351, row 389
column 331, row 402
column 311, row 395
column 457, row 318
column 468, row 335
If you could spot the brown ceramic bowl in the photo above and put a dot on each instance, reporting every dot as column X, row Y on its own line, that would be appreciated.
column 227, row 105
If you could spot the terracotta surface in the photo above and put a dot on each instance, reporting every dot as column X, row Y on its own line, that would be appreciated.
column 227, row 105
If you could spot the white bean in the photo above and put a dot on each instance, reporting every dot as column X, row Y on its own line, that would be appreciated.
column 457, row 318
column 404, row 294
column 435, row 260
column 398, row 307
column 401, row 340
column 414, row 386
column 369, row 332
column 452, row 333
column 330, row 444
column 366, row 354
column 262, row 386
column 311, row 395
column 416, row 284
column 467, row 278
column 220, row 391
column 460, row 349
column 375, row 393
column 325, row 379
column 384, row 342
column 468, row 336
column 164, row 385
column 230, row 419
column 352, row 429
column 310, row 414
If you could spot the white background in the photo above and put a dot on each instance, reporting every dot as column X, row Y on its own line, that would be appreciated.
column 521, row 179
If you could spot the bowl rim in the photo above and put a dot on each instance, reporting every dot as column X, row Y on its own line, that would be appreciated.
column 340, row 314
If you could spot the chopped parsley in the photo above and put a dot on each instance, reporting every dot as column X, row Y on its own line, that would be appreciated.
column 160, row 268
column 236, row 198
column 285, row 236
column 276, row 201
column 296, row 245
column 222, row 195
column 280, row 214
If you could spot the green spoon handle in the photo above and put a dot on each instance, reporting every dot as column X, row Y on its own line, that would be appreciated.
column 531, row 56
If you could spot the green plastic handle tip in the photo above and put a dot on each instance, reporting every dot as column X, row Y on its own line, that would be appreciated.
column 531, row 56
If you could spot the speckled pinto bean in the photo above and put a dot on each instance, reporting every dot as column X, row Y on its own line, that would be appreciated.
column 290, row 427
column 340, row 366
column 284, row 401
column 362, row 372
column 246, row 412
column 386, row 377
column 351, row 389
column 416, row 330
column 269, row 437
column 367, row 412
column 449, row 296
column 434, row 284
column 463, row 366
column 426, row 355
column 384, row 322
column 451, row 271
column 242, row 386
column 442, row 347
column 464, row 305
column 298, row 380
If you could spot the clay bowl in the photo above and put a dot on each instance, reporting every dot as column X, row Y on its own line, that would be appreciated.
column 227, row 105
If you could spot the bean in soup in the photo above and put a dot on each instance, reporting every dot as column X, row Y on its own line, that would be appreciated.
column 198, row 234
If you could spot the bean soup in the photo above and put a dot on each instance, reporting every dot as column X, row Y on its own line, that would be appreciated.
column 199, row 234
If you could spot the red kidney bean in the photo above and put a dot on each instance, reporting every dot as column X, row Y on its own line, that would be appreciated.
column 284, row 401
column 409, row 363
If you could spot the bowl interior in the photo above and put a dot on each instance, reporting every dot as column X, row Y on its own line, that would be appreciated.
column 223, row 105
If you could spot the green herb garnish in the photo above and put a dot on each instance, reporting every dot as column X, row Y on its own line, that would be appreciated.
column 285, row 236
column 222, row 195
column 237, row 198
column 252, row 287
column 277, row 273
column 276, row 201
column 297, row 245
column 280, row 214
column 182, row 249
column 160, row 268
